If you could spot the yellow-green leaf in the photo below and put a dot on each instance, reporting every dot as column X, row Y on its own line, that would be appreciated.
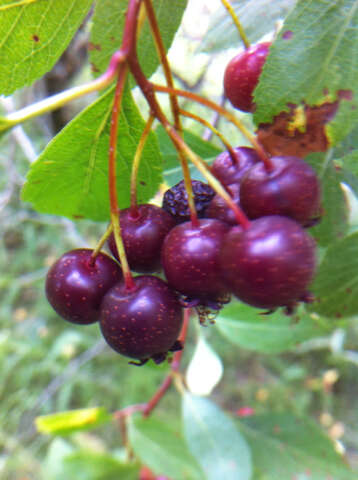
column 64, row 423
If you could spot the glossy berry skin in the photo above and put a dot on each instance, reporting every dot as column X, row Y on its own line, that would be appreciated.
column 175, row 200
column 290, row 189
column 219, row 209
column 190, row 259
column 143, row 235
column 144, row 322
column 229, row 171
column 75, row 285
column 242, row 75
column 270, row 264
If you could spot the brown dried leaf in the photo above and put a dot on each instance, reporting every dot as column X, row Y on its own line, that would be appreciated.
column 298, row 132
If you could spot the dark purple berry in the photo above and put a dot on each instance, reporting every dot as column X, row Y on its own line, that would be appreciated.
column 190, row 259
column 220, row 210
column 75, row 284
column 242, row 75
column 143, row 322
column 269, row 264
column 291, row 188
column 143, row 233
column 229, row 170
column 175, row 200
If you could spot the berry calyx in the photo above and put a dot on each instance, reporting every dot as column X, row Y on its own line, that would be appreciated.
column 290, row 188
column 229, row 170
column 143, row 322
column 175, row 200
column 76, row 284
column 190, row 259
column 220, row 210
column 143, row 231
column 269, row 264
column 242, row 75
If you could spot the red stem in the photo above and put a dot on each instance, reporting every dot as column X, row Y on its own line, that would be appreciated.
column 149, row 93
column 175, row 365
column 147, row 408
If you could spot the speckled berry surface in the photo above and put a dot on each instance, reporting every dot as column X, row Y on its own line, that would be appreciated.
column 291, row 189
column 229, row 170
column 270, row 264
column 175, row 200
column 143, row 235
column 75, row 285
column 220, row 210
column 144, row 322
column 242, row 75
column 190, row 258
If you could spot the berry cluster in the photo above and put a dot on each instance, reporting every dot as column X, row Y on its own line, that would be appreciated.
column 267, row 261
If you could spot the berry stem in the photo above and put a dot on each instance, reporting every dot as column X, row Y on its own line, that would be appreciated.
column 128, row 46
column 100, row 244
column 136, row 162
column 225, row 113
column 237, row 23
column 174, row 369
column 56, row 101
column 173, row 104
column 112, row 178
column 149, row 93
column 148, row 90
column 208, row 125
column 164, row 62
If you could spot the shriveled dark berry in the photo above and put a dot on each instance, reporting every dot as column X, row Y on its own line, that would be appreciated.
column 175, row 200
column 143, row 322
column 269, row 264
column 190, row 259
column 75, row 284
column 143, row 233
column 231, row 170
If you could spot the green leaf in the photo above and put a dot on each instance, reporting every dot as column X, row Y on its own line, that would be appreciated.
column 70, row 177
column 107, row 30
column 244, row 326
column 287, row 447
column 33, row 36
column 334, row 221
column 215, row 441
column 162, row 449
column 65, row 423
column 258, row 17
column 316, row 61
column 97, row 466
column 172, row 169
column 336, row 283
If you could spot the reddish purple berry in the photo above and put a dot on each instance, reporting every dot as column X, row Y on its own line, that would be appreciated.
column 190, row 259
column 143, row 233
column 291, row 188
column 175, row 200
column 144, row 322
column 242, row 75
column 270, row 264
column 220, row 210
column 75, row 284
column 229, row 170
